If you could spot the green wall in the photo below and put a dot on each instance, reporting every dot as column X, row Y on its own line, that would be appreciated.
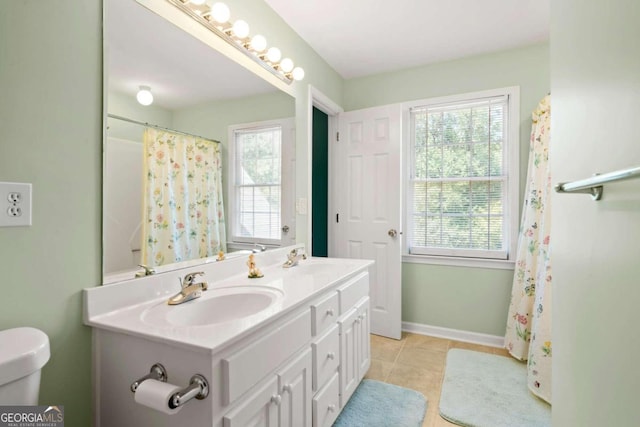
column 51, row 121
column 471, row 299
column 595, row 105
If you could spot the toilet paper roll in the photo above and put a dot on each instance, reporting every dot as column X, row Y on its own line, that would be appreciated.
column 156, row 394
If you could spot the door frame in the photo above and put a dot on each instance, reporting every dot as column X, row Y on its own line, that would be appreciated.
column 325, row 104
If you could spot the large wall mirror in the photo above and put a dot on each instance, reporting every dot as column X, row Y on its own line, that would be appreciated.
column 196, row 92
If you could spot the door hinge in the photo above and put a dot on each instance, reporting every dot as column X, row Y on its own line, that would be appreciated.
column 338, row 136
column 337, row 217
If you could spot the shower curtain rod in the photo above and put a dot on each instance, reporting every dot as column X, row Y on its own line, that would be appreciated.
column 125, row 119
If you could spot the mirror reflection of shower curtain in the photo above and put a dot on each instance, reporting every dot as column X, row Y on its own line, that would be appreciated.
column 528, row 335
column 183, row 212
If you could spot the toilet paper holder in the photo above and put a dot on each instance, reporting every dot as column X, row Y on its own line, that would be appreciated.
column 157, row 373
column 198, row 386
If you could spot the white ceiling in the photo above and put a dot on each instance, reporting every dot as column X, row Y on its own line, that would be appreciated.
column 143, row 48
column 362, row 37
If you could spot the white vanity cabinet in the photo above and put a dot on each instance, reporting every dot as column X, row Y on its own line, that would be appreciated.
column 259, row 409
column 355, row 356
column 294, row 388
column 296, row 367
column 284, row 400
column 340, row 351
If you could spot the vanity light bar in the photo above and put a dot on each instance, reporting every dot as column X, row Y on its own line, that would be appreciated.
column 215, row 17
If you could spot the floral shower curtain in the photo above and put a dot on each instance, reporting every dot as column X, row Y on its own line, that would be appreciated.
column 528, row 334
column 183, row 214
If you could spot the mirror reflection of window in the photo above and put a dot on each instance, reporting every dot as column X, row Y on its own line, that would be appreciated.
column 261, row 193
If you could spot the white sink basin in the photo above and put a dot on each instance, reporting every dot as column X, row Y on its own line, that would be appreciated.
column 220, row 305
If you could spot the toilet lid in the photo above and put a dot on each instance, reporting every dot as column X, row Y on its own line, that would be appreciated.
column 22, row 352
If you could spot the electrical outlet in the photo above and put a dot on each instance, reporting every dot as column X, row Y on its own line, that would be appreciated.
column 14, row 211
column 15, row 204
column 14, row 197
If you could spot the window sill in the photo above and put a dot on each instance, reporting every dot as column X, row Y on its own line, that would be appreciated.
column 459, row 262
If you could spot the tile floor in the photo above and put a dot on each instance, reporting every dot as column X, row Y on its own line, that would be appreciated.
column 417, row 362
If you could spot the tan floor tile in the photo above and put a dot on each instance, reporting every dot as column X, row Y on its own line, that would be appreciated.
column 425, row 358
column 429, row 418
column 441, row 422
column 501, row 352
column 417, row 362
column 386, row 349
column 379, row 370
column 426, row 342
column 424, row 381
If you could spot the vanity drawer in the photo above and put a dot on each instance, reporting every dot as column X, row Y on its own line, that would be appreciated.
column 324, row 313
column 352, row 291
column 326, row 404
column 326, row 357
column 246, row 367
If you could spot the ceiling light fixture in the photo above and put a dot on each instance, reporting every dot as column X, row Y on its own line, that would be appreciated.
column 215, row 16
column 144, row 95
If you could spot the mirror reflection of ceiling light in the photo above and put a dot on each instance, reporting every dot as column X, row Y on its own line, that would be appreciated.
column 144, row 95
column 215, row 16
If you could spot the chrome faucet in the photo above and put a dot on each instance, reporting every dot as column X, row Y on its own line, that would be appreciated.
column 148, row 271
column 189, row 289
column 293, row 257
column 258, row 248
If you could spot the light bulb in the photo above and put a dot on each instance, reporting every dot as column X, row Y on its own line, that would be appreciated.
column 240, row 29
column 258, row 43
column 219, row 12
column 274, row 55
column 297, row 73
column 286, row 65
column 144, row 95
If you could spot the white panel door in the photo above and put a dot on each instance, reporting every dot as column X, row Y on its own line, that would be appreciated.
column 368, row 196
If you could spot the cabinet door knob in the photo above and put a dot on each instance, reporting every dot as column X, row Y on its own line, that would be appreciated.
column 287, row 388
column 330, row 312
column 331, row 355
column 331, row 407
column 276, row 399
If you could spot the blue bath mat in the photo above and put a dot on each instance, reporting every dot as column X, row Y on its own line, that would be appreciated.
column 485, row 390
column 378, row 404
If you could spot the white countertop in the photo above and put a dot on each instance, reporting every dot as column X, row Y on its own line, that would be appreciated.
column 123, row 307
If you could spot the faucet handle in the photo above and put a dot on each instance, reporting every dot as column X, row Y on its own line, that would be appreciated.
column 190, row 278
column 148, row 271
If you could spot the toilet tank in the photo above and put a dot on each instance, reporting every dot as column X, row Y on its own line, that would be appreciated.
column 23, row 353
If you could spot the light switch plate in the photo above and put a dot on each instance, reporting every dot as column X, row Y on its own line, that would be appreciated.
column 301, row 206
column 15, row 204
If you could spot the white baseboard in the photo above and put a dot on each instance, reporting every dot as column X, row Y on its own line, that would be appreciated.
column 454, row 334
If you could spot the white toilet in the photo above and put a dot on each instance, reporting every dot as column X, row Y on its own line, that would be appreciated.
column 23, row 353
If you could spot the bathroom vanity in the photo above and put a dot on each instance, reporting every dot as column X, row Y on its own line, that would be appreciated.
column 287, row 349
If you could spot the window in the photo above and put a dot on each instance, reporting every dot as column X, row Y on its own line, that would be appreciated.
column 463, row 177
column 259, row 155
